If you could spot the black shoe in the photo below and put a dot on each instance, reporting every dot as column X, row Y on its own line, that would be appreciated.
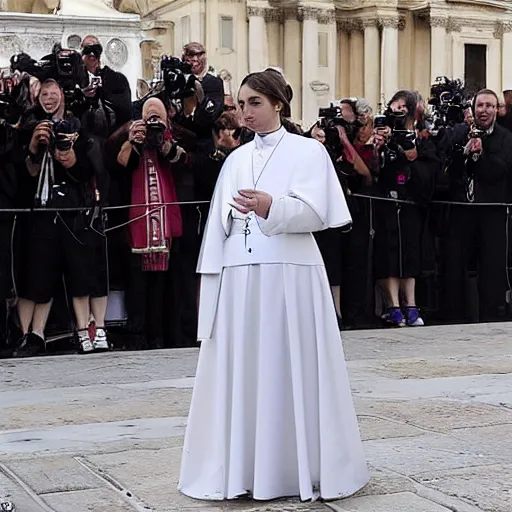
column 30, row 345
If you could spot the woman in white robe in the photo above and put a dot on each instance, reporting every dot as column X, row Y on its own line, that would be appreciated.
column 272, row 413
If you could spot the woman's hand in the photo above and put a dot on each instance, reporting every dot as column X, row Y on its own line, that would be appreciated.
column 41, row 136
column 255, row 201
column 137, row 134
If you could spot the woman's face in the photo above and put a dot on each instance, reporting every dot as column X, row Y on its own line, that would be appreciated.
column 50, row 97
column 259, row 114
column 399, row 105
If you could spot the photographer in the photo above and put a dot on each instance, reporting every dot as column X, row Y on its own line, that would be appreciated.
column 55, row 243
column 9, row 183
column 108, row 106
column 194, row 54
column 336, row 130
column 480, row 173
column 408, row 165
column 226, row 135
column 147, row 156
column 106, row 84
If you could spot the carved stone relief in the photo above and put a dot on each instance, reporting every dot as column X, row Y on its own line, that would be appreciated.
column 116, row 52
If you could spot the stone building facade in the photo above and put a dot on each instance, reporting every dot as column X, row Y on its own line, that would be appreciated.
column 335, row 48
column 34, row 26
column 327, row 48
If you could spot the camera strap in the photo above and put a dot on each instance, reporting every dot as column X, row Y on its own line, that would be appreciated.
column 46, row 179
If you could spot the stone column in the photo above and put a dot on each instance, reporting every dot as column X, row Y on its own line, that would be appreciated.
column 389, row 57
column 274, row 18
column 309, row 64
column 212, row 29
column 292, row 59
column 438, row 66
column 371, row 61
column 356, row 50
column 506, row 55
column 494, row 63
column 258, row 45
column 342, row 60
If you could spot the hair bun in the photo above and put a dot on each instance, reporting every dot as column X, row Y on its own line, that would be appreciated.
column 289, row 92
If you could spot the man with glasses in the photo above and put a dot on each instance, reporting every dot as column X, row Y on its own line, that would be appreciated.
column 213, row 87
column 477, row 236
column 109, row 85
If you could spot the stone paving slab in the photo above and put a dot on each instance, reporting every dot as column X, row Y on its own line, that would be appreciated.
column 15, row 493
column 54, row 475
column 487, row 487
column 87, row 501
column 400, row 502
column 110, row 404
column 436, row 415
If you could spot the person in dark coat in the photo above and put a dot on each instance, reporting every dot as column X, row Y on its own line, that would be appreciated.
column 407, row 171
column 213, row 87
column 477, row 235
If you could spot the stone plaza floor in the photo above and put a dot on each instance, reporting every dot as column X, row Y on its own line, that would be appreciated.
column 104, row 432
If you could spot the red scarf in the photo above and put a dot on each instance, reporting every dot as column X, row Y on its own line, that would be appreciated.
column 153, row 227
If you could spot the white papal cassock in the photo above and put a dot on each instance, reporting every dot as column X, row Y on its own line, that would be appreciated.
column 271, row 413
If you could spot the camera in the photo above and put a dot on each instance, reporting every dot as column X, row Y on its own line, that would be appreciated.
column 332, row 116
column 155, row 131
column 447, row 99
column 95, row 81
column 64, row 134
column 177, row 76
column 402, row 139
column 63, row 65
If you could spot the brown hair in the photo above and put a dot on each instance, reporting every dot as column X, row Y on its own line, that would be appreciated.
column 227, row 121
column 271, row 84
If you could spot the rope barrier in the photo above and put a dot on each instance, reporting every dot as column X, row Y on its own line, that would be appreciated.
column 196, row 203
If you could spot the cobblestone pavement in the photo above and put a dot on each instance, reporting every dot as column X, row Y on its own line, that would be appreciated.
column 104, row 432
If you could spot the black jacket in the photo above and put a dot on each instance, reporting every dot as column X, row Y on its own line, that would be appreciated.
column 412, row 181
column 491, row 172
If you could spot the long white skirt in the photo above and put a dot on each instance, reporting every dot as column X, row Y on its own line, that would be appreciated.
column 272, row 413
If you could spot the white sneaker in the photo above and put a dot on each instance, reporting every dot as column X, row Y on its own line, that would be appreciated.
column 100, row 342
column 86, row 346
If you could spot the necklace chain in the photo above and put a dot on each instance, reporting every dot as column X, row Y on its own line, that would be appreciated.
column 254, row 180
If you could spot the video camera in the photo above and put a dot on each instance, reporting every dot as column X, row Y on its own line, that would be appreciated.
column 329, row 119
column 332, row 116
column 447, row 99
column 177, row 76
column 63, row 65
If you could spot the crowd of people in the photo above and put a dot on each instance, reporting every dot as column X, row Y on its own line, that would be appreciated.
column 99, row 192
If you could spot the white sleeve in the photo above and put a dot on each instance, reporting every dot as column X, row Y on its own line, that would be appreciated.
column 315, row 199
column 290, row 215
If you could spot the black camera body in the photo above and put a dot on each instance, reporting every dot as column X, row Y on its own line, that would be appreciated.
column 447, row 99
column 62, row 65
column 155, row 132
column 402, row 139
column 64, row 134
column 331, row 117
column 178, row 79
